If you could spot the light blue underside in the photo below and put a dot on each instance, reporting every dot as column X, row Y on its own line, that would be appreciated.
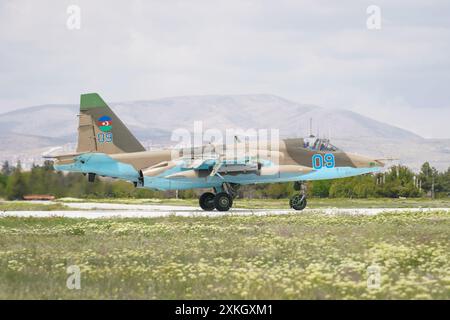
column 104, row 165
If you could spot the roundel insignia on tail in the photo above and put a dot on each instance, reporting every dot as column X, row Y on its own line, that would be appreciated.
column 104, row 123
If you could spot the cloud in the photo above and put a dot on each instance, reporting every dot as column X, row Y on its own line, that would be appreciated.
column 316, row 52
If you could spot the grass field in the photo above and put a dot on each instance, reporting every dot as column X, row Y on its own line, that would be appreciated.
column 307, row 256
column 30, row 206
column 314, row 203
column 284, row 203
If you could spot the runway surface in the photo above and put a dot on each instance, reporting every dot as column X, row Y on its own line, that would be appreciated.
column 114, row 210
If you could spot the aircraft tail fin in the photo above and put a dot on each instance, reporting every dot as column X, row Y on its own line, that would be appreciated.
column 100, row 130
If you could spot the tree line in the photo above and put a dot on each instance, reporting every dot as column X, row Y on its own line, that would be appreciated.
column 398, row 181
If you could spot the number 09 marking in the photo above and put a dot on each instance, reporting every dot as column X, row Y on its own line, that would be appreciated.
column 319, row 161
column 105, row 137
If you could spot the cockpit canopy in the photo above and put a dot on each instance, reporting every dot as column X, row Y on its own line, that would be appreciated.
column 318, row 144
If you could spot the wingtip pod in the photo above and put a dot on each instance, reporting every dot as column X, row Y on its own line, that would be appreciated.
column 90, row 101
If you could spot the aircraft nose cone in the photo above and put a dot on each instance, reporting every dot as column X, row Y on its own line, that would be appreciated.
column 365, row 162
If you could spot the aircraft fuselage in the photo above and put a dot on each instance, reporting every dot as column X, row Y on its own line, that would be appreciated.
column 174, row 169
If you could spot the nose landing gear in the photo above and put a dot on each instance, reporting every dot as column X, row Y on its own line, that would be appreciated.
column 298, row 201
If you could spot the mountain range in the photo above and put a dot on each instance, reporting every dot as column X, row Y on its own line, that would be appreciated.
column 26, row 134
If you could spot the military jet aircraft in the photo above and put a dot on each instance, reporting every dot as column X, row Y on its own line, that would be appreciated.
column 107, row 148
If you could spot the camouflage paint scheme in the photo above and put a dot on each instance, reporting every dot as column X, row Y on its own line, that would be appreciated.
column 107, row 148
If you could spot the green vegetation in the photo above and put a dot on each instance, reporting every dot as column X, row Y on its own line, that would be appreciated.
column 318, row 203
column 399, row 181
column 307, row 256
column 314, row 203
column 15, row 183
column 30, row 206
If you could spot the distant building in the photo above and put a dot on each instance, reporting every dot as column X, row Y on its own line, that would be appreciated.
column 31, row 197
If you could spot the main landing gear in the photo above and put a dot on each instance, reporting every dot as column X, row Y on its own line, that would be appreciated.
column 298, row 201
column 221, row 200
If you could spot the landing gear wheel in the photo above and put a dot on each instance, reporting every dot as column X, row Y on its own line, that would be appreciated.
column 223, row 201
column 298, row 202
column 206, row 201
column 91, row 177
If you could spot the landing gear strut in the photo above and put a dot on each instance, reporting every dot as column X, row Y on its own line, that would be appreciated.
column 298, row 201
column 221, row 200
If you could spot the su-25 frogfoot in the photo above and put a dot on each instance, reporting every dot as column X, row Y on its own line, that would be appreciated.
column 107, row 148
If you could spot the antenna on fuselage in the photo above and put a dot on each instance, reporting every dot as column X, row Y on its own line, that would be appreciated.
column 310, row 128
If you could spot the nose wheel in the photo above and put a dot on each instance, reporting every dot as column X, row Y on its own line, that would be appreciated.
column 298, row 201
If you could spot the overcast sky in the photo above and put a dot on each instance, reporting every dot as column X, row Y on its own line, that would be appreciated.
column 317, row 52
